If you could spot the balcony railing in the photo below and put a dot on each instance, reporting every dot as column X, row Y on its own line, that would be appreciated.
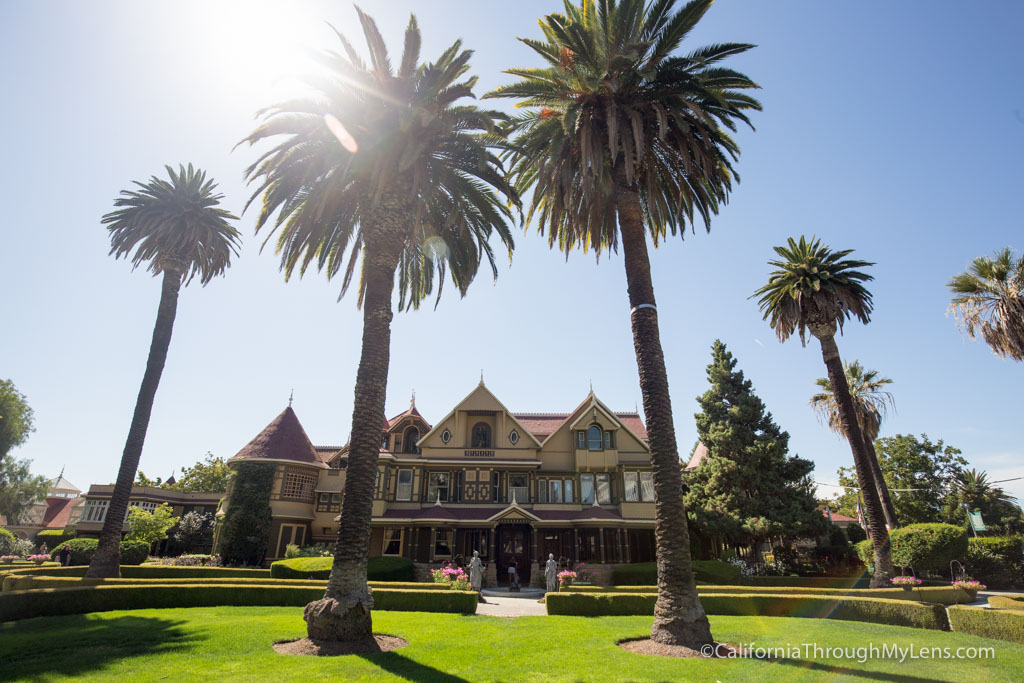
column 479, row 453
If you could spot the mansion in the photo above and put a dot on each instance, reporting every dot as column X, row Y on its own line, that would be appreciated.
column 514, row 486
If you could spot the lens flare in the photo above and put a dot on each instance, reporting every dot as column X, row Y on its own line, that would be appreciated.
column 338, row 130
column 436, row 248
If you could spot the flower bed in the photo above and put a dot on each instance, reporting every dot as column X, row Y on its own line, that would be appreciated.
column 451, row 576
column 905, row 581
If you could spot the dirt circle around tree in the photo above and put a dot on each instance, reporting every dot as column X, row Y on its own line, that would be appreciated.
column 380, row 642
column 646, row 646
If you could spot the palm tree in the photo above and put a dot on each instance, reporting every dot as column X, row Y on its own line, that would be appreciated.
column 976, row 490
column 870, row 402
column 989, row 298
column 622, row 138
column 381, row 164
column 815, row 289
column 177, row 228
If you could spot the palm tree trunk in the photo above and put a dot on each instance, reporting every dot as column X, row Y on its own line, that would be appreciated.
column 679, row 617
column 884, row 569
column 106, row 561
column 343, row 614
column 880, row 485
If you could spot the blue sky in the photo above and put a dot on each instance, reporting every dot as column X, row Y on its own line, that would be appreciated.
column 895, row 129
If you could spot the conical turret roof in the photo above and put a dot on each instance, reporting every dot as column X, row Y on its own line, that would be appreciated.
column 283, row 440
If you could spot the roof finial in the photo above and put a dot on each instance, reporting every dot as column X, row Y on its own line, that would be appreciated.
column 591, row 385
column 61, row 475
column 481, row 376
column 514, row 497
column 438, row 501
column 412, row 402
column 290, row 397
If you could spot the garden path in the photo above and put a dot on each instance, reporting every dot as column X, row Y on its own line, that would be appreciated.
column 501, row 603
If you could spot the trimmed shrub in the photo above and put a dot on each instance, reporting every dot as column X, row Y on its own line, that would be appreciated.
column 246, row 531
column 875, row 610
column 995, row 560
column 809, row 581
column 21, row 582
column 377, row 568
column 134, row 552
column 646, row 573
column 82, row 549
column 6, row 541
column 866, row 552
column 56, row 601
column 54, row 537
column 943, row 595
column 928, row 547
column 988, row 623
column 856, row 533
column 1006, row 602
column 154, row 571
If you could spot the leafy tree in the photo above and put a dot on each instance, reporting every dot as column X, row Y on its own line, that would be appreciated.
column 19, row 488
column 177, row 228
column 621, row 137
column 989, row 298
column 16, row 418
column 149, row 527
column 971, row 490
column 870, row 401
column 909, row 462
column 817, row 289
column 748, row 489
column 142, row 480
column 209, row 475
column 383, row 164
column 194, row 529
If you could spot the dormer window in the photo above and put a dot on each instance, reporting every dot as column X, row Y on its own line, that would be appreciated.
column 595, row 438
column 481, row 435
column 412, row 435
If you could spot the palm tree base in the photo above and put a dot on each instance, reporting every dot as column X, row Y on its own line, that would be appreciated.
column 691, row 631
column 105, row 564
column 345, row 620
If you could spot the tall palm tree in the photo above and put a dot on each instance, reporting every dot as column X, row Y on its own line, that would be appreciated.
column 817, row 289
column 975, row 489
column 622, row 137
column 870, row 402
column 989, row 298
column 382, row 164
column 177, row 228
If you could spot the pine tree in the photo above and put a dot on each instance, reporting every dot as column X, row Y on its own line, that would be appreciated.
column 748, row 489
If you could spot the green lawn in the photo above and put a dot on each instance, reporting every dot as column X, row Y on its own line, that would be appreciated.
column 217, row 643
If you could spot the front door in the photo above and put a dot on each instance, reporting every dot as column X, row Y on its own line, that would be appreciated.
column 513, row 544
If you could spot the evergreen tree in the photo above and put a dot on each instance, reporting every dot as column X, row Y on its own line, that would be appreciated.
column 748, row 489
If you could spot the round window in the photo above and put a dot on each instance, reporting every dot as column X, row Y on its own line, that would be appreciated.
column 446, row 436
column 513, row 437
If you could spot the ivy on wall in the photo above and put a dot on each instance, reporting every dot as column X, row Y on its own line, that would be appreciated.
column 246, row 531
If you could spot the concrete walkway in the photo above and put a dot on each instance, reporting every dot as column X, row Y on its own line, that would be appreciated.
column 501, row 603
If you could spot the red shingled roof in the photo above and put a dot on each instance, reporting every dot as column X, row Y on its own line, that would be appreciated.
column 543, row 425
column 282, row 439
column 58, row 511
column 411, row 412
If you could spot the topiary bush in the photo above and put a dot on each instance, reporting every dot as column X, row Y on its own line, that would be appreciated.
column 6, row 542
column 82, row 549
column 377, row 568
column 928, row 547
column 246, row 531
column 54, row 537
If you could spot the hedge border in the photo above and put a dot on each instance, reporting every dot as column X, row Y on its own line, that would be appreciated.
column 47, row 602
column 18, row 582
column 999, row 624
column 1006, row 602
column 874, row 610
column 943, row 595
column 153, row 571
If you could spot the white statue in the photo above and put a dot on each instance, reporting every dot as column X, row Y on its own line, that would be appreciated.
column 551, row 573
column 476, row 572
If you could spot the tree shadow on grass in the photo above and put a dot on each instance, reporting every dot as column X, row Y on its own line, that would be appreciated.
column 399, row 665
column 83, row 644
column 847, row 671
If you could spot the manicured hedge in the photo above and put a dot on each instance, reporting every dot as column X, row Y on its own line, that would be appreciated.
column 377, row 568
column 928, row 547
column 809, row 581
column 875, row 610
column 56, row 601
column 54, row 537
column 943, row 595
column 155, row 571
column 1006, row 601
column 20, row 582
column 82, row 550
column 646, row 573
column 988, row 623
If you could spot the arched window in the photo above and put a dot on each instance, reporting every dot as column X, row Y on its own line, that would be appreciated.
column 595, row 438
column 412, row 435
column 481, row 435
